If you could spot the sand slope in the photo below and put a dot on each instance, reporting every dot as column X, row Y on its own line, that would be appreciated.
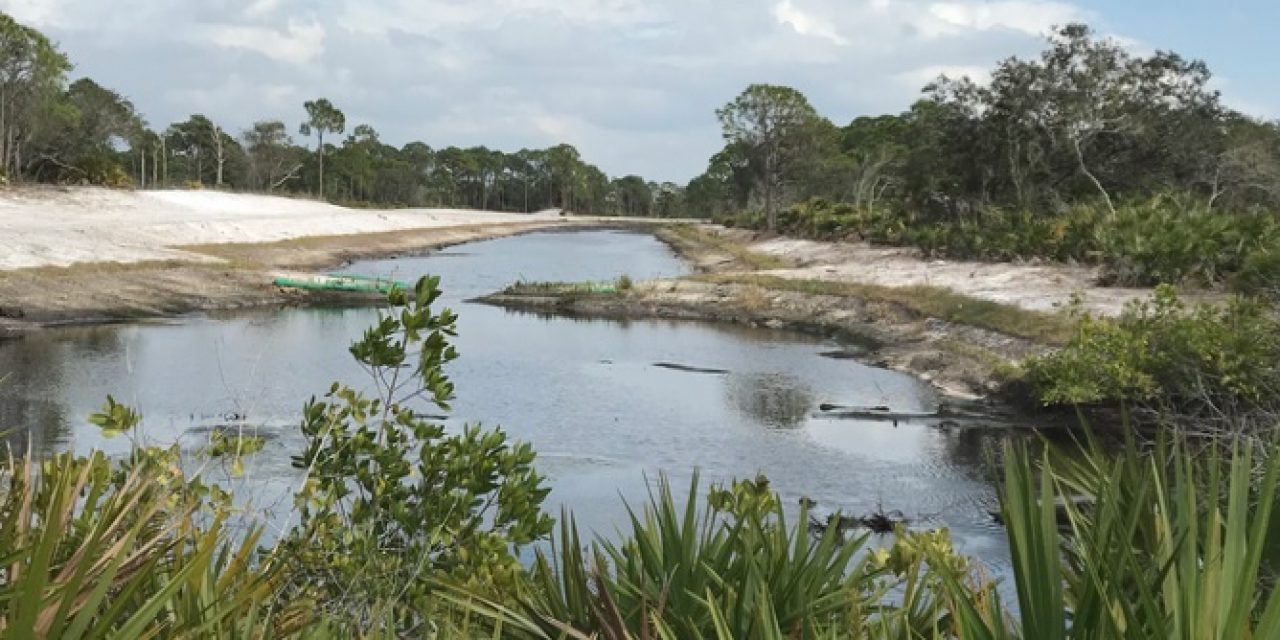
column 46, row 226
column 1044, row 286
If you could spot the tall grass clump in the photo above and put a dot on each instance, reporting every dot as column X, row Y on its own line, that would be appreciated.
column 733, row 566
column 1175, row 540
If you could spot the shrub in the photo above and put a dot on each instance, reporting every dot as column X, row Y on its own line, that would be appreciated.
column 1175, row 240
column 101, row 549
column 1260, row 274
column 1164, row 239
column 1209, row 360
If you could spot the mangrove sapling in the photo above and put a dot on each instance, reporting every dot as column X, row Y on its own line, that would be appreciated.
column 391, row 503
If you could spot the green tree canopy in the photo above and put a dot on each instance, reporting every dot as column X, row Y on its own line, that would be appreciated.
column 775, row 131
column 322, row 118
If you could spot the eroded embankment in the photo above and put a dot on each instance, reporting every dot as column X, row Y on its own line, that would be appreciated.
column 963, row 345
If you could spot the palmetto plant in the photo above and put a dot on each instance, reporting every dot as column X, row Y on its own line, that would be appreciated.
column 89, row 549
column 1175, row 543
column 732, row 567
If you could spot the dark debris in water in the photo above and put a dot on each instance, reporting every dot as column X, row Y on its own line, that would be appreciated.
column 690, row 369
column 879, row 521
column 846, row 353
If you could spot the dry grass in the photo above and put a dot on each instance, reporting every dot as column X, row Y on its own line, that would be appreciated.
column 81, row 269
column 327, row 251
column 552, row 289
column 927, row 301
column 755, row 299
column 994, row 364
column 692, row 239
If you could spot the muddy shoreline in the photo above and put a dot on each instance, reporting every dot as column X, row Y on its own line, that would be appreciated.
column 960, row 361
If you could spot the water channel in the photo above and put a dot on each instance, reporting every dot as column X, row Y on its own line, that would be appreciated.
column 585, row 393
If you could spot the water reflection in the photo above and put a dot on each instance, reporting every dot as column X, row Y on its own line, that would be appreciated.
column 775, row 400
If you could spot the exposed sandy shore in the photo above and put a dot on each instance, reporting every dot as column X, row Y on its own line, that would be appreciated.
column 58, row 227
column 88, row 255
column 1041, row 287
column 1046, row 286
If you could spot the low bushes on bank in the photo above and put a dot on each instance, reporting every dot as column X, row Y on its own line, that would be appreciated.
column 1206, row 361
column 1164, row 239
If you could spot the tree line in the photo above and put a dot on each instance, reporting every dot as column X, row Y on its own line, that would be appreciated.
column 58, row 131
column 1088, row 121
column 1085, row 122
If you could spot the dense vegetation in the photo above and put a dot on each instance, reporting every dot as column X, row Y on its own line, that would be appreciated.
column 405, row 530
column 1086, row 122
column 1210, row 367
column 1060, row 145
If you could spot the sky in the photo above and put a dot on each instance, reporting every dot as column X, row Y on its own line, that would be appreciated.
column 633, row 84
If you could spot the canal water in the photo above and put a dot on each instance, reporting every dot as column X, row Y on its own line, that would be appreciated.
column 604, row 419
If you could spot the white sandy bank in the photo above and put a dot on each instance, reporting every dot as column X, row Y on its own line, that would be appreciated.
column 1041, row 287
column 58, row 227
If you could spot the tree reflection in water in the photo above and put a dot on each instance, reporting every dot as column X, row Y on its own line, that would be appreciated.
column 778, row 401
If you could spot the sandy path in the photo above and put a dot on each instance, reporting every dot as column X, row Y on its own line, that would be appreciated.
column 1042, row 287
column 59, row 227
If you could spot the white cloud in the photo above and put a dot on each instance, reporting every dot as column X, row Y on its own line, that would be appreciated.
column 37, row 13
column 259, row 8
column 296, row 44
column 807, row 24
column 1027, row 16
column 215, row 97
column 436, row 16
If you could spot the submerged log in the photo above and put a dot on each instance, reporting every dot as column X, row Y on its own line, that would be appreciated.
column 684, row 367
column 881, row 412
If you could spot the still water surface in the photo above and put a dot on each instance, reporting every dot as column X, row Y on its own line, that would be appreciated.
column 585, row 393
